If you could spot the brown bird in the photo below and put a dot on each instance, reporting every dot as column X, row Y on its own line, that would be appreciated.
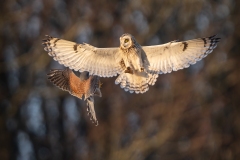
column 84, row 87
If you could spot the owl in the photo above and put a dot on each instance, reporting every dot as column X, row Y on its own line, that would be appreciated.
column 137, row 66
column 83, row 87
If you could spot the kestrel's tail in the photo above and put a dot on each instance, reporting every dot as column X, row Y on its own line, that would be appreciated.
column 137, row 82
column 91, row 110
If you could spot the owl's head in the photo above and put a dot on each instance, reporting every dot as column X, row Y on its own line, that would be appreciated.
column 126, row 41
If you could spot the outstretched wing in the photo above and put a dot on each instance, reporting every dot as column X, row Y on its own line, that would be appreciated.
column 67, row 81
column 84, row 57
column 173, row 56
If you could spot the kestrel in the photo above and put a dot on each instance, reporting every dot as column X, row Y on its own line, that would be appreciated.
column 138, row 66
column 83, row 87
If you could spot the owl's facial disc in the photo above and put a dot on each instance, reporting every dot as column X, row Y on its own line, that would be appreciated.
column 126, row 42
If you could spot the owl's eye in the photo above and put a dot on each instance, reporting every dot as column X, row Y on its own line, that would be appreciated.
column 126, row 40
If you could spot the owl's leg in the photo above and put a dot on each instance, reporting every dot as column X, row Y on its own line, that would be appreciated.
column 140, row 64
column 127, row 65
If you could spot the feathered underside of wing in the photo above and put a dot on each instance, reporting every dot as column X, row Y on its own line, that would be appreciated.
column 173, row 56
column 59, row 78
column 92, row 87
column 95, row 87
column 67, row 81
column 137, row 82
column 84, row 57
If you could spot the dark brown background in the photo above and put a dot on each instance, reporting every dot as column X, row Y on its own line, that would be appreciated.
column 189, row 114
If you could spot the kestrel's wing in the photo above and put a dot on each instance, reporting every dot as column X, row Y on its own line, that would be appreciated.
column 103, row 62
column 68, row 81
column 91, row 110
column 173, row 56
column 93, row 87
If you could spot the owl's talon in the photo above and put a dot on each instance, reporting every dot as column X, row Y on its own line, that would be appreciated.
column 129, row 70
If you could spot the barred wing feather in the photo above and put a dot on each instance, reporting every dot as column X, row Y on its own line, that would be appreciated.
column 84, row 57
column 173, row 56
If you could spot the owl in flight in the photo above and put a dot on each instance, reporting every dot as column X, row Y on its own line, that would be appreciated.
column 138, row 66
column 83, row 87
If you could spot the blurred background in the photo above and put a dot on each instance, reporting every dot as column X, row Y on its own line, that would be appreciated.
column 191, row 114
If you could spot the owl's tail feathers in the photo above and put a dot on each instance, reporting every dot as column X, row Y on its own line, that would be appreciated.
column 152, row 78
column 137, row 82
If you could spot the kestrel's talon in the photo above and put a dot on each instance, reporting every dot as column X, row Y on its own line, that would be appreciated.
column 100, row 85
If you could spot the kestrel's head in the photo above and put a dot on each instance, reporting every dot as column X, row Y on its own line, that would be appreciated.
column 126, row 41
